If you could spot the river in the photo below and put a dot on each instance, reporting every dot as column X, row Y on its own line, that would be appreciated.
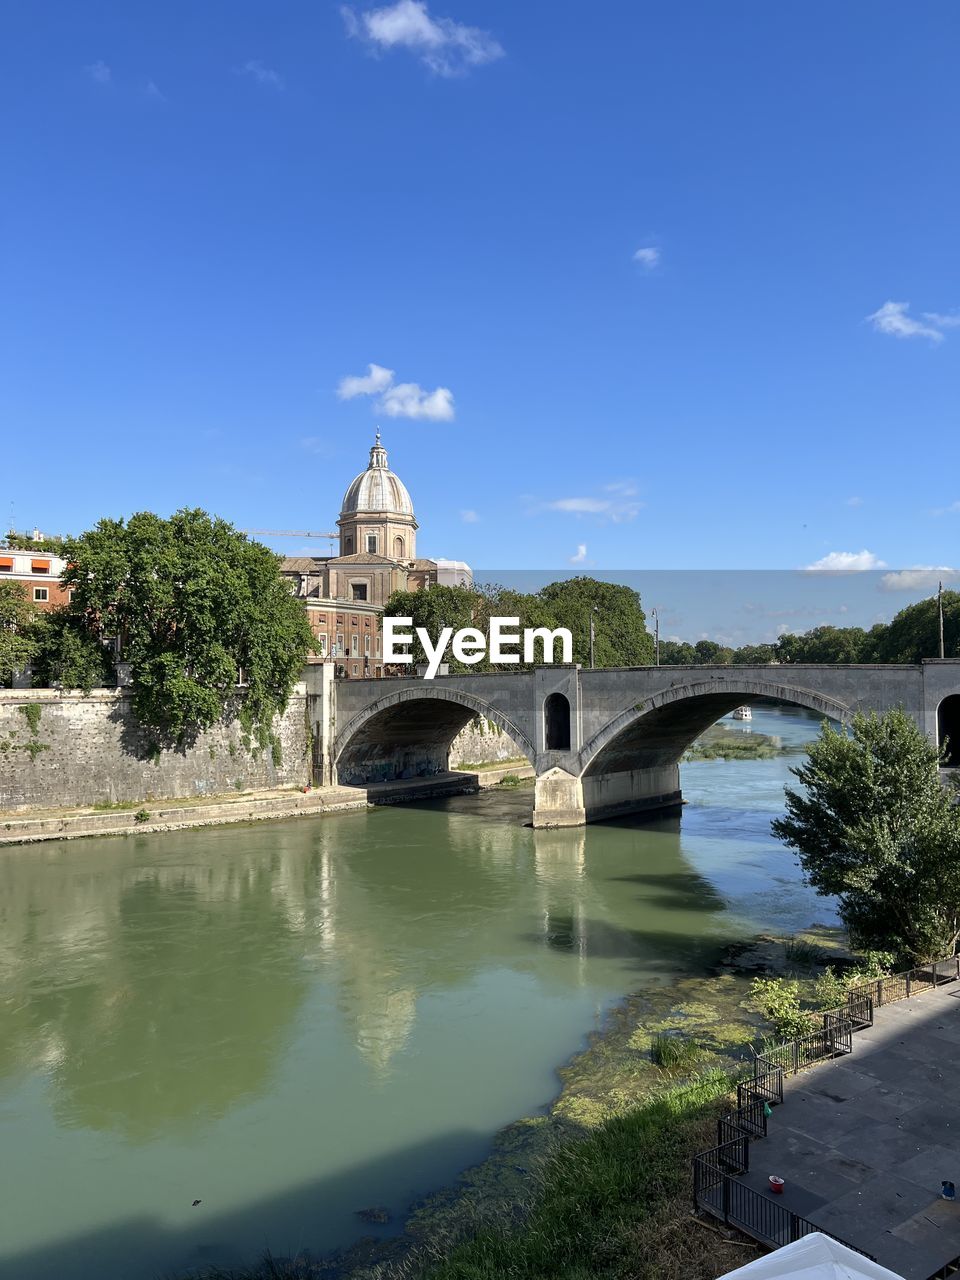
column 290, row 1022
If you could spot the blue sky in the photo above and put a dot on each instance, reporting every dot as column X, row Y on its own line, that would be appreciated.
column 625, row 285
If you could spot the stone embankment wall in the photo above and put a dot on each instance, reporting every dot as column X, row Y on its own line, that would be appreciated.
column 63, row 749
column 482, row 742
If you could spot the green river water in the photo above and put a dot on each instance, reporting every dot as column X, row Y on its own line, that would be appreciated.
column 290, row 1022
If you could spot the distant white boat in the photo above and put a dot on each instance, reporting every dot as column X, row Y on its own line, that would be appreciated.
column 743, row 713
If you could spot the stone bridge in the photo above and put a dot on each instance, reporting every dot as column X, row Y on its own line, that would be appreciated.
column 602, row 742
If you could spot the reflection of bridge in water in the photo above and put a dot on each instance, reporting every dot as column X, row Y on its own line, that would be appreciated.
column 604, row 742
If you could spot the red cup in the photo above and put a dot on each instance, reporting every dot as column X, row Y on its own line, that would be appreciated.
column 776, row 1184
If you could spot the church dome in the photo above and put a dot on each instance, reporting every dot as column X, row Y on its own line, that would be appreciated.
column 377, row 488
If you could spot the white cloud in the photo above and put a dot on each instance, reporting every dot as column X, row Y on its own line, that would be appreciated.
column 616, row 510
column 399, row 399
column 581, row 554
column 892, row 318
column 448, row 48
column 854, row 502
column 99, row 72
column 951, row 321
column 919, row 578
column 264, row 76
column 952, row 509
column 153, row 92
column 648, row 258
column 408, row 400
column 469, row 517
column 846, row 562
column 377, row 379
column 625, row 488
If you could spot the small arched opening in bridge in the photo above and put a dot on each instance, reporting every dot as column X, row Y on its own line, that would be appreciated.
column 556, row 722
column 948, row 730
column 409, row 734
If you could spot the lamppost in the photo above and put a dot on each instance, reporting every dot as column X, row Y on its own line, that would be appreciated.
column 594, row 610
column 940, row 614
column 656, row 636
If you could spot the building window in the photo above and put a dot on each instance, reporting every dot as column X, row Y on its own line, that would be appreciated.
column 40, row 594
column 366, row 646
column 6, row 564
column 378, row 646
column 322, row 641
column 339, row 652
column 398, row 548
column 348, row 545
column 358, row 590
column 354, row 646
column 356, row 669
column 372, row 543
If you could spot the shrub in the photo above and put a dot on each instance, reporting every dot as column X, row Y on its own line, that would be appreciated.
column 778, row 999
column 675, row 1052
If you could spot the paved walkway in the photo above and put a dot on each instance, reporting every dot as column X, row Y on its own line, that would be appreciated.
column 865, row 1141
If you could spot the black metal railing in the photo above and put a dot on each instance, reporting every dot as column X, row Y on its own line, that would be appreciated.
column 833, row 1038
column 717, row 1191
column 911, row 982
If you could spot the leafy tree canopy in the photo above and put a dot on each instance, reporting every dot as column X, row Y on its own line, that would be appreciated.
column 68, row 653
column 17, row 642
column 914, row 634
column 190, row 602
column 875, row 827
column 620, row 628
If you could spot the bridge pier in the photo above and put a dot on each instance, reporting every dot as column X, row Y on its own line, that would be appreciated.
column 558, row 800
column 614, row 795
column 563, row 800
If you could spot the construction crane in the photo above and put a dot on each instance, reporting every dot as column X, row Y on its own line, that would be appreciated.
column 290, row 533
column 293, row 533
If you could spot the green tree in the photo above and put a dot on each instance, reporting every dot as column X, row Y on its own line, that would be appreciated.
column 824, row 644
column 191, row 603
column 677, row 653
column 709, row 651
column 914, row 634
column 875, row 827
column 17, row 640
column 754, row 655
column 440, row 607
column 622, row 638
column 68, row 653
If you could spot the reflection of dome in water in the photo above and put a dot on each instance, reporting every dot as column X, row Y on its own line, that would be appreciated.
column 377, row 489
column 382, row 1032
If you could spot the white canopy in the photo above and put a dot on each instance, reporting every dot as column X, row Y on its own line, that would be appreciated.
column 814, row 1257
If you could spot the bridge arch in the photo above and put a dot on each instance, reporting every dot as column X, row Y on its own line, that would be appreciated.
column 407, row 733
column 654, row 733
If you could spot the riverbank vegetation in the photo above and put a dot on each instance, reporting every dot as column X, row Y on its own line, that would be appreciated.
column 614, row 1203
column 875, row 827
column 721, row 743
